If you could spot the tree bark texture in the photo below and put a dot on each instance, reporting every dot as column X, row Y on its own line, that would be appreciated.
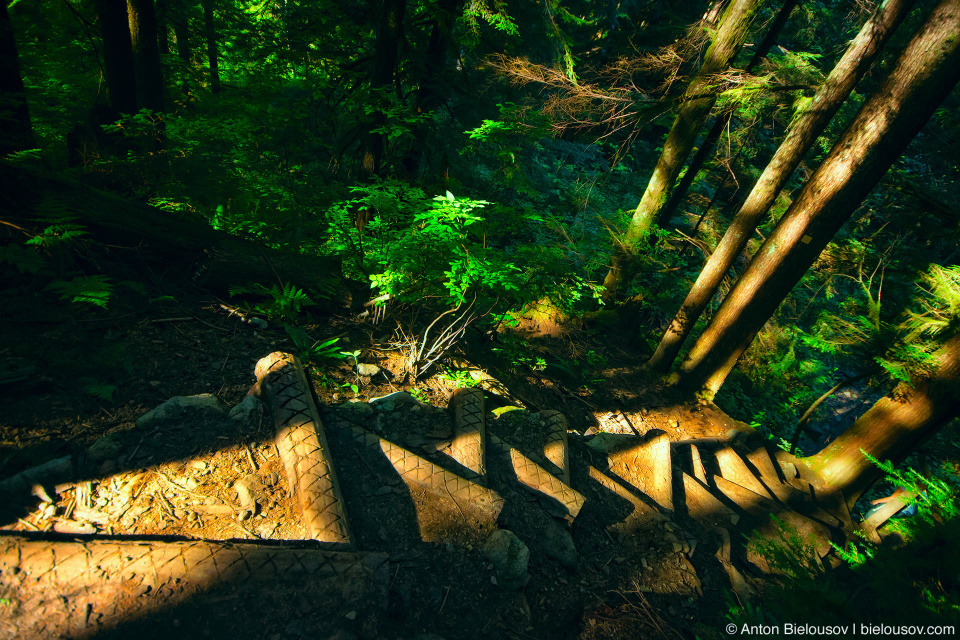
column 163, row 27
column 893, row 427
column 118, row 55
column 720, row 123
column 734, row 28
column 385, row 57
column 16, row 133
column 146, row 54
column 211, row 34
column 923, row 76
column 806, row 129
column 181, row 29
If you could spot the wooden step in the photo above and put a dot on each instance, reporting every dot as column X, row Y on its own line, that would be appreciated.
column 469, row 432
column 556, row 449
column 647, row 466
column 750, row 501
column 734, row 469
column 703, row 506
column 643, row 514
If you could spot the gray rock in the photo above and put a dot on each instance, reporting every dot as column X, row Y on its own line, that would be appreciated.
column 247, row 411
column 205, row 404
column 558, row 544
column 362, row 408
column 610, row 442
column 510, row 557
column 367, row 369
column 397, row 399
column 106, row 448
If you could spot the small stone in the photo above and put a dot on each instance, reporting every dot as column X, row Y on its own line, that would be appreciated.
column 382, row 491
column 181, row 406
column 192, row 516
column 677, row 547
column 367, row 369
column 509, row 556
column 244, row 515
column 197, row 465
column 154, row 383
column 362, row 408
column 106, row 448
column 247, row 410
column 558, row 544
column 351, row 615
column 74, row 528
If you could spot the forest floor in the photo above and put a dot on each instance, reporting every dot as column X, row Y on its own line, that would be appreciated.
column 190, row 481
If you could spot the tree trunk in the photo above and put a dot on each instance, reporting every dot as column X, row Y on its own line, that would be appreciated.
column 146, row 54
column 211, row 35
column 720, row 123
column 385, row 58
column 163, row 27
column 923, row 76
column 893, row 427
column 733, row 31
column 807, row 127
column 433, row 82
column 17, row 133
column 118, row 55
column 181, row 30
column 187, row 245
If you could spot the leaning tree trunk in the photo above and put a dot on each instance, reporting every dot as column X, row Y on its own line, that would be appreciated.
column 146, row 54
column 118, row 55
column 807, row 127
column 720, row 122
column 923, row 76
column 16, row 134
column 893, row 427
column 698, row 101
column 172, row 244
column 385, row 59
column 211, row 35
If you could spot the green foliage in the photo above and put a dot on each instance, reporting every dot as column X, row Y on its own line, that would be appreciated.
column 914, row 582
column 459, row 379
column 84, row 290
column 420, row 395
column 25, row 260
column 283, row 303
column 312, row 350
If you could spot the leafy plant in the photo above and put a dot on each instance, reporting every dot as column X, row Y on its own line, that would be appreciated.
column 459, row 379
column 420, row 395
column 315, row 350
column 283, row 303
column 92, row 290
column 353, row 386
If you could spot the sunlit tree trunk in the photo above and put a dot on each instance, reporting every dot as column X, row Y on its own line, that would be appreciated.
column 16, row 133
column 923, row 76
column 211, row 34
column 698, row 100
column 893, row 427
column 385, row 57
column 146, row 54
column 118, row 55
column 801, row 136
column 721, row 122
